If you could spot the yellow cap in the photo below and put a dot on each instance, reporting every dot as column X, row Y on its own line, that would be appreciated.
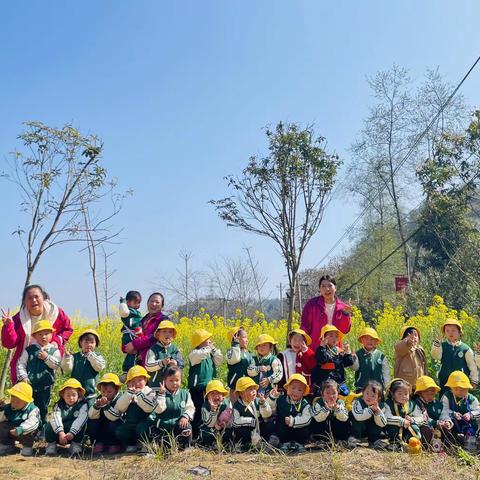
column 42, row 325
column 71, row 383
column 308, row 339
column 299, row 378
column 243, row 383
column 199, row 336
column 109, row 378
column 330, row 328
column 23, row 391
column 265, row 338
column 425, row 382
column 232, row 331
column 89, row 331
column 452, row 321
column 215, row 386
column 370, row 332
column 406, row 327
column 137, row 371
column 167, row 324
column 458, row 379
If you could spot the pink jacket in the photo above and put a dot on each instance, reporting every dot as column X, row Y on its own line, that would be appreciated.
column 314, row 318
column 13, row 336
column 143, row 343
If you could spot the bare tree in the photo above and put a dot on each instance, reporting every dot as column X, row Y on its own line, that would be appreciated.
column 107, row 275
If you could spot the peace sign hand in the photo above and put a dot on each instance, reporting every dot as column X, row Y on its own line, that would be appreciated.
column 6, row 317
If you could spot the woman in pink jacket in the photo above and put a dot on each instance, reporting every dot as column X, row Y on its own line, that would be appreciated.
column 149, row 324
column 16, row 330
column 325, row 309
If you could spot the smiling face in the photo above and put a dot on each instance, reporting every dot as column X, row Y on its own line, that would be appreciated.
column 137, row 383
column 43, row 337
column 173, row 382
column 264, row 349
column 16, row 403
column 452, row 333
column 108, row 390
column 295, row 390
column 165, row 335
column 70, row 396
column 369, row 343
column 297, row 342
column 215, row 398
column 428, row 395
column 155, row 304
column 402, row 395
column 370, row 397
column 34, row 301
column 331, row 338
column 327, row 290
column 249, row 395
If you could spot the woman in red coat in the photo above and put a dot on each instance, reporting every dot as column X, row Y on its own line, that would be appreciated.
column 16, row 330
column 327, row 309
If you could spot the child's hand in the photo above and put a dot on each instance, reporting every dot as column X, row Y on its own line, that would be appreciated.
column 183, row 423
column 263, row 368
column 69, row 437
column 6, row 317
column 165, row 362
column 129, row 348
column 264, row 383
column 67, row 353
column 287, row 421
column 476, row 347
column 25, row 380
column 374, row 408
column 219, row 425
column 346, row 348
column 323, row 342
column 458, row 415
column 407, row 422
column 274, row 392
column 42, row 355
column 161, row 388
column 13, row 432
column 172, row 362
column 261, row 398
column 102, row 401
column 467, row 416
column 62, row 438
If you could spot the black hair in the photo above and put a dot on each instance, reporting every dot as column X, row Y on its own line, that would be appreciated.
column 376, row 388
column 97, row 340
column 133, row 295
column 32, row 287
column 160, row 295
column 329, row 278
column 171, row 370
column 399, row 383
column 408, row 331
column 328, row 384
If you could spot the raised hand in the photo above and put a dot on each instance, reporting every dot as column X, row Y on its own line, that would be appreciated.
column 161, row 388
column 261, row 398
column 6, row 317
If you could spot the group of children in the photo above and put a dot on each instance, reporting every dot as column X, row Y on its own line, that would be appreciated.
column 280, row 400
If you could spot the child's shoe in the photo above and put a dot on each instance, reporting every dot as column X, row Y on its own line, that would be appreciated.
column 51, row 449
column 7, row 449
column 75, row 448
column 131, row 449
column 27, row 452
column 98, row 448
column 380, row 444
column 353, row 442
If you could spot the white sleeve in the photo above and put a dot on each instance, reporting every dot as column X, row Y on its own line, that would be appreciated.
column 446, row 411
column 146, row 400
column 80, row 421
column 253, row 369
column 209, row 417
column 197, row 355
column 417, row 416
column 67, row 363
column 241, row 421
column 359, row 413
column 56, row 420
column 123, row 402
column 470, row 359
column 93, row 413
column 475, row 409
column 22, row 366
column 320, row 413
column 392, row 419
column 123, row 310
column 265, row 410
column 31, row 423
column 340, row 412
column 303, row 419
column 234, row 355
column 161, row 404
column 380, row 419
column 436, row 351
column 217, row 357
column 277, row 372
column 53, row 361
column 385, row 371
column 189, row 409
column 151, row 363
column 356, row 364
column 97, row 362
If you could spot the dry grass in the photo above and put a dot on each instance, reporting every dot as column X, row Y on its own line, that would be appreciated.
column 359, row 464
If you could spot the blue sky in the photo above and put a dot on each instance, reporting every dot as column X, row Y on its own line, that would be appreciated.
column 179, row 92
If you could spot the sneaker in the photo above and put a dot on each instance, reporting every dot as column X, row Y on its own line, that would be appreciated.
column 75, row 448
column 131, row 449
column 98, row 448
column 299, row 448
column 51, row 449
column 26, row 451
column 380, row 444
column 114, row 449
column 274, row 441
column 352, row 443
column 7, row 449
column 286, row 447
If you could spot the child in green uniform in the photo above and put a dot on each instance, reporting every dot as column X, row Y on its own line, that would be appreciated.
column 265, row 368
column 293, row 414
column 404, row 417
column 175, row 410
column 37, row 365
column 369, row 363
column 131, row 319
column 367, row 417
column 163, row 354
column 86, row 364
column 102, row 420
column 135, row 406
column 248, row 411
column 204, row 360
column 19, row 420
column 453, row 354
column 238, row 357
column 216, row 414
column 460, row 408
column 68, row 420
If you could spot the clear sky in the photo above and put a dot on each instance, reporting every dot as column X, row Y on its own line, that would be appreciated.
column 179, row 92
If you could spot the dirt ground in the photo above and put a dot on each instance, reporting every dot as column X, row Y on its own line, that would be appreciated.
column 357, row 464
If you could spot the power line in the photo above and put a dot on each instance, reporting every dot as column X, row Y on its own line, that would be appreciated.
column 402, row 162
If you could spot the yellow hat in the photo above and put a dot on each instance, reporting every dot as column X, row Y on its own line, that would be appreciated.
column 265, row 338
column 330, row 328
column 109, row 378
column 452, row 321
column 215, row 386
column 299, row 378
column 42, row 325
column 406, row 327
column 308, row 339
column 89, row 331
column 136, row 371
column 71, row 383
column 243, row 383
column 199, row 336
column 425, row 382
column 23, row 391
column 167, row 324
column 392, row 381
column 369, row 331
column 458, row 379
column 232, row 331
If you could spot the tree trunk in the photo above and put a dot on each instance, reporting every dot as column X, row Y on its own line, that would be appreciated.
column 291, row 300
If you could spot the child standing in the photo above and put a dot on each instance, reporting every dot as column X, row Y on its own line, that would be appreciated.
column 410, row 359
column 163, row 354
column 86, row 364
column 102, row 421
column 131, row 319
column 453, row 354
column 204, row 360
column 367, row 416
column 68, row 420
column 331, row 359
column 265, row 369
column 368, row 362
column 330, row 415
column 238, row 357
column 404, row 417
column 247, row 412
column 37, row 365
column 19, row 420
column 134, row 406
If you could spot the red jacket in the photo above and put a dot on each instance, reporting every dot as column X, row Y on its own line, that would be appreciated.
column 314, row 318
column 13, row 336
column 304, row 363
column 147, row 340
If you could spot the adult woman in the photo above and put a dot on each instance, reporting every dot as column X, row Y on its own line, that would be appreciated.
column 149, row 324
column 16, row 330
column 325, row 309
